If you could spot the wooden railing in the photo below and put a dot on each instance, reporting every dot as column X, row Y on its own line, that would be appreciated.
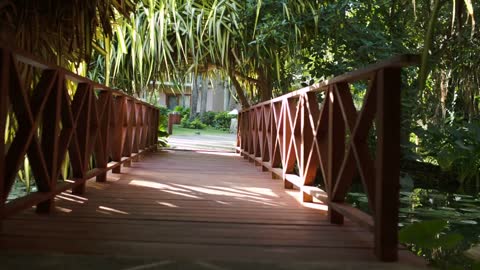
column 295, row 135
column 63, row 120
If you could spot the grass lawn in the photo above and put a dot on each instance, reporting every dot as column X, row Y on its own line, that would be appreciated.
column 180, row 131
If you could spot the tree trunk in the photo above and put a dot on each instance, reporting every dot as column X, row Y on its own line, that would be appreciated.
column 193, row 107
column 238, row 88
column 424, row 67
column 264, row 85
column 203, row 99
column 226, row 98
column 443, row 92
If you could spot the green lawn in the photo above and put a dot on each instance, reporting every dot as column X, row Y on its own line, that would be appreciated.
column 180, row 131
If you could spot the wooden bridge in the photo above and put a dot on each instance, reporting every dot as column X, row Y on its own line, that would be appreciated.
column 194, row 209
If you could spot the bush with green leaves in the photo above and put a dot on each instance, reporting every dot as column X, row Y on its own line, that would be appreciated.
column 163, row 118
column 182, row 110
column 455, row 148
column 162, row 133
column 208, row 118
column 222, row 120
column 433, row 239
column 194, row 124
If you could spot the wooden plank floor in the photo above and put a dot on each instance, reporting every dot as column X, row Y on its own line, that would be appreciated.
column 194, row 207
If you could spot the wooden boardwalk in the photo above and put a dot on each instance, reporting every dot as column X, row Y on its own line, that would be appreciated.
column 192, row 210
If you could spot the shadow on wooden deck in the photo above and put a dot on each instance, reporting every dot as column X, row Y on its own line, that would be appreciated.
column 188, row 210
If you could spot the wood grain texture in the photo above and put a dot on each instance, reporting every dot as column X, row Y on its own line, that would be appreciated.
column 59, row 113
column 190, row 206
column 318, row 135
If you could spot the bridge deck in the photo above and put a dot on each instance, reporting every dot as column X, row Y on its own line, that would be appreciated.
column 207, row 210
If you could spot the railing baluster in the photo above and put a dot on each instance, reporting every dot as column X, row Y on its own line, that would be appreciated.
column 50, row 141
column 336, row 148
column 388, row 163
column 4, row 85
column 130, row 135
column 317, row 139
column 102, row 146
column 82, row 127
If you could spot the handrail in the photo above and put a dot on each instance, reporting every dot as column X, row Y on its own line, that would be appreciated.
column 90, row 128
column 331, row 137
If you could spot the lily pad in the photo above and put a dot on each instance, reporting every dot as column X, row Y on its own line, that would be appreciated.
column 470, row 210
column 464, row 222
column 464, row 196
column 447, row 208
column 473, row 253
column 407, row 210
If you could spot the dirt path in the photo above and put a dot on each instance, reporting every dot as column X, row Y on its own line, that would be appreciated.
column 223, row 143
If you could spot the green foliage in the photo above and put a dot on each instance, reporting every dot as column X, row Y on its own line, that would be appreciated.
column 178, row 108
column 162, row 132
column 194, row 124
column 163, row 118
column 432, row 239
column 218, row 120
column 455, row 148
column 208, row 118
column 182, row 110
column 428, row 234
column 222, row 120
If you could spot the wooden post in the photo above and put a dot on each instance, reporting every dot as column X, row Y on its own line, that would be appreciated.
column 84, row 137
column 275, row 158
column 130, row 136
column 79, row 126
column 170, row 123
column 135, row 132
column 119, row 131
column 4, row 85
column 287, row 137
column 102, row 147
column 336, row 148
column 388, row 164
column 50, row 142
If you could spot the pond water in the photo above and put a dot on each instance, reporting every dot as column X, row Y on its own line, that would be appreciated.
column 461, row 216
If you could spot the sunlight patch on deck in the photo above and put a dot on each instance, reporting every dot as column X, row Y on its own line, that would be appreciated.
column 113, row 210
column 168, row 204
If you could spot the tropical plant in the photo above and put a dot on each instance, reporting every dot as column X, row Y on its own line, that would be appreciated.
column 208, row 118
column 57, row 31
column 194, row 124
column 222, row 120
column 250, row 41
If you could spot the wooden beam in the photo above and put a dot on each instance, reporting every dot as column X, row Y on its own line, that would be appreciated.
column 50, row 142
column 336, row 148
column 119, row 131
column 388, row 164
column 4, row 85
column 65, row 126
column 357, row 75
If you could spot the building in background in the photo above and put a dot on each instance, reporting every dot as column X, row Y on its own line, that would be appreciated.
column 217, row 97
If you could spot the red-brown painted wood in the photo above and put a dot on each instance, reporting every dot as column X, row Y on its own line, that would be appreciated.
column 328, row 139
column 387, row 164
column 51, row 123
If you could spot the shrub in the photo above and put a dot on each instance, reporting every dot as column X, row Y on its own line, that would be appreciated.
column 162, row 133
column 208, row 118
column 186, row 112
column 178, row 109
column 195, row 124
column 222, row 120
column 454, row 148
column 182, row 110
column 163, row 118
column 185, row 122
